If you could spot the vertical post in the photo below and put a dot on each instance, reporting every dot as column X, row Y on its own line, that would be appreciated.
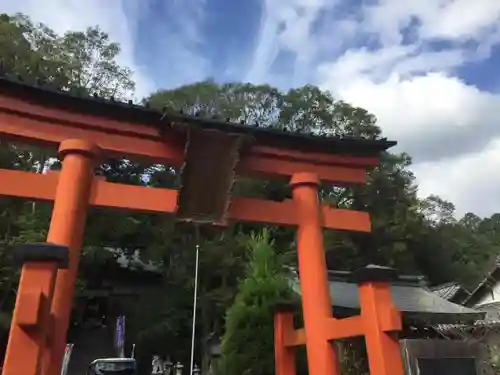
column 195, row 301
column 316, row 304
column 66, row 228
column 284, row 357
column 380, row 319
column 26, row 343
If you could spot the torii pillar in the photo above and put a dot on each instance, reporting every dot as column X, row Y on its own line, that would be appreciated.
column 43, row 304
column 316, row 304
column 379, row 319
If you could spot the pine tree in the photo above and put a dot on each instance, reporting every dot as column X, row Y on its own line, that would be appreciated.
column 248, row 343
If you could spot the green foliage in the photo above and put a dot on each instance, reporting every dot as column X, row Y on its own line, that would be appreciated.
column 80, row 62
column 463, row 250
column 91, row 61
column 247, row 345
column 306, row 109
column 417, row 236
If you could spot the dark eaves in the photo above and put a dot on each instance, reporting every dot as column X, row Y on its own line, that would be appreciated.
column 44, row 94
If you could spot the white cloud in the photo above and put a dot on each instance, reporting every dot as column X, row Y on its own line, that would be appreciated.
column 286, row 25
column 178, row 38
column 471, row 182
column 111, row 16
column 446, row 19
column 448, row 126
column 434, row 116
column 120, row 18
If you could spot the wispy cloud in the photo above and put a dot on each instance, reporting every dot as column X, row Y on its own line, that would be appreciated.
column 286, row 26
column 171, row 31
column 175, row 35
column 400, row 60
column 116, row 20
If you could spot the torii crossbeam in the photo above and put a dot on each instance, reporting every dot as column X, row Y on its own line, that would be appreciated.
column 209, row 153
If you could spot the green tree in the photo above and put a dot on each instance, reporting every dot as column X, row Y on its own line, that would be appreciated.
column 390, row 198
column 402, row 235
column 415, row 236
column 83, row 63
column 437, row 211
column 248, row 345
column 91, row 60
column 80, row 62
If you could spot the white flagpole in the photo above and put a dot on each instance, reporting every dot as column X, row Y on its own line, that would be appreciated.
column 195, row 298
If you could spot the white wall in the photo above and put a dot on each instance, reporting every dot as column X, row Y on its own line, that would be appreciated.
column 491, row 295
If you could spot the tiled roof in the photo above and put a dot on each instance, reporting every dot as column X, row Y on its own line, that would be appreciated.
column 413, row 301
column 446, row 291
column 409, row 295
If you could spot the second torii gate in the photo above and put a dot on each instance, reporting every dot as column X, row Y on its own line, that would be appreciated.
column 210, row 153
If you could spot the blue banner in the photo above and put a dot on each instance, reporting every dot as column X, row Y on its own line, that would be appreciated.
column 120, row 335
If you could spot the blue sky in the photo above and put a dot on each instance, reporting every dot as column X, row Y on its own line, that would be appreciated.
column 428, row 69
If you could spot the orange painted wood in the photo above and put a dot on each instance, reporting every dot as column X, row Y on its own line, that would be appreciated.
column 143, row 130
column 74, row 189
column 152, row 200
column 31, row 123
column 316, row 157
column 390, row 320
column 51, row 134
column 296, row 337
column 263, row 166
column 110, row 125
column 316, row 301
column 284, row 359
column 285, row 213
column 77, row 119
column 26, row 341
column 71, row 200
column 384, row 353
column 133, row 198
column 31, row 312
column 336, row 329
column 21, row 184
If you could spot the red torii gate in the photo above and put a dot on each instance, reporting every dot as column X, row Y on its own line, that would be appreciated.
column 211, row 153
